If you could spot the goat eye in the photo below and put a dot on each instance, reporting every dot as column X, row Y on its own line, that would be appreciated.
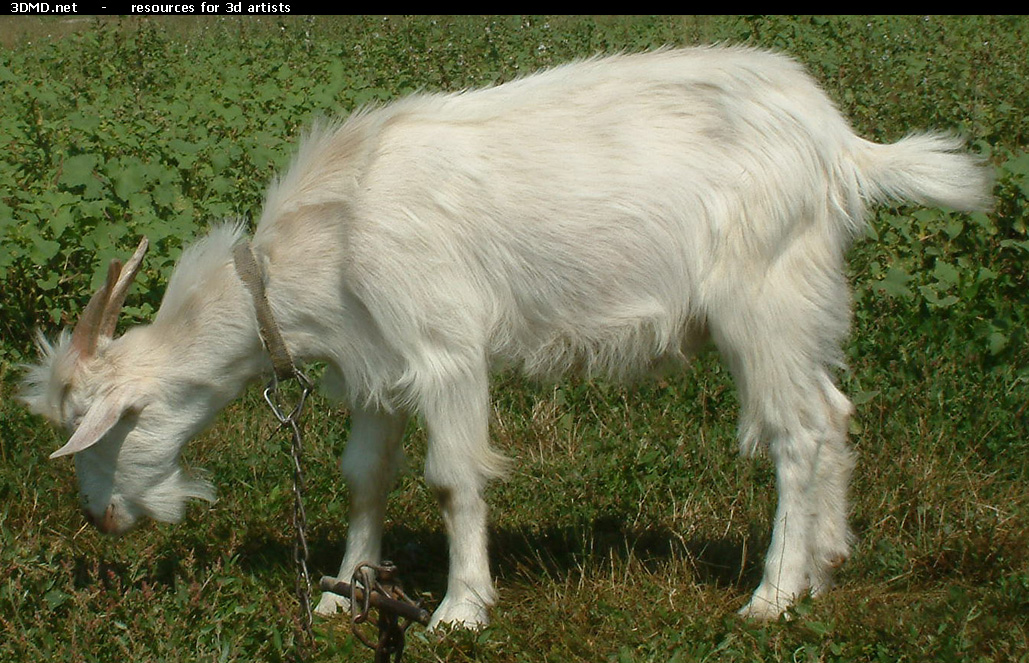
column 73, row 422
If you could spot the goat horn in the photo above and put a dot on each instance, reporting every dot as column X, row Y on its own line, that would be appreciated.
column 100, row 316
column 84, row 338
column 121, row 288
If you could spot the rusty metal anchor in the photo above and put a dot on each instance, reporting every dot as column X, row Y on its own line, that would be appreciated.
column 377, row 586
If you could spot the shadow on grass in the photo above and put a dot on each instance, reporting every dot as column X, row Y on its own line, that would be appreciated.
column 554, row 553
column 518, row 556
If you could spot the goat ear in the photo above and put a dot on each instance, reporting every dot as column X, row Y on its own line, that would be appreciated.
column 99, row 419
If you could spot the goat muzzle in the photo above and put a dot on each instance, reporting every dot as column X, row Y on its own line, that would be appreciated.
column 108, row 523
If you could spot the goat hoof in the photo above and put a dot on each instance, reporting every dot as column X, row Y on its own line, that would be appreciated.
column 760, row 609
column 467, row 615
column 330, row 604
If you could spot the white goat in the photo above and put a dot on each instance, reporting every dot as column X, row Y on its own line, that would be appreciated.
column 601, row 217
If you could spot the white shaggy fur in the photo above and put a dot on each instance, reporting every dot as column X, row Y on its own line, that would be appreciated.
column 602, row 217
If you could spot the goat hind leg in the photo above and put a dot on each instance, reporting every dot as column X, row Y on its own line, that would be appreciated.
column 830, row 537
column 779, row 341
column 787, row 562
column 810, row 536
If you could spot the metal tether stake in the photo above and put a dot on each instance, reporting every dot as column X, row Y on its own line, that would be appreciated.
column 291, row 420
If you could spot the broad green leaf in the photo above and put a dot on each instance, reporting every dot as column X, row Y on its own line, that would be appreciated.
column 78, row 171
column 55, row 598
column 128, row 176
column 997, row 341
column 60, row 220
column 1016, row 244
column 946, row 273
column 43, row 249
column 895, row 283
column 935, row 299
column 49, row 282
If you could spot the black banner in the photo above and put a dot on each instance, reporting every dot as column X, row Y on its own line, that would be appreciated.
column 150, row 8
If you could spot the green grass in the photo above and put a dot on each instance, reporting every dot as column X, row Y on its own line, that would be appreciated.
column 630, row 530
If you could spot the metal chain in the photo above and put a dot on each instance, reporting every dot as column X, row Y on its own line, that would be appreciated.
column 291, row 421
column 372, row 585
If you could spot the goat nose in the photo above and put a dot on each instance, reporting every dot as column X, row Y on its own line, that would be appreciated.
column 107, row 523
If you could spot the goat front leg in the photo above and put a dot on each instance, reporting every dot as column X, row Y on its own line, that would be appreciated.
column 457, row 467
column 370, row 462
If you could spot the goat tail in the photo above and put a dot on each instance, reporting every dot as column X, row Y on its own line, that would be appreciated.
column 929, row 169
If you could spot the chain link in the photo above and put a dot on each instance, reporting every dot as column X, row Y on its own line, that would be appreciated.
column 291, row 421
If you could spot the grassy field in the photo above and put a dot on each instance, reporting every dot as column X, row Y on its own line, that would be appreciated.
column 630, row 529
